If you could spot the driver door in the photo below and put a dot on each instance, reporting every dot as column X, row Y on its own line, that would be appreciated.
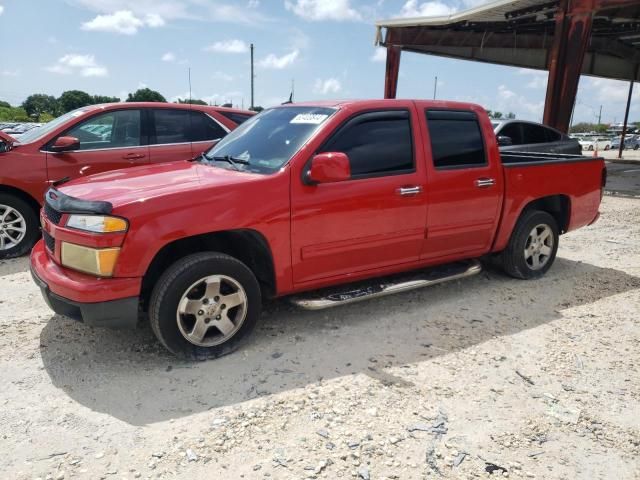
column 108, row 141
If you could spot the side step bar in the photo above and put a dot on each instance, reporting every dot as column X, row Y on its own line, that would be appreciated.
column 380, row 287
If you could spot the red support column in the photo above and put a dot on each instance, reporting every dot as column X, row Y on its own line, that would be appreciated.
column 391, row 74
column 571, row 38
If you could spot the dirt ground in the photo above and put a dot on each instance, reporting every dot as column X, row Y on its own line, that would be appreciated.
column 535, row 379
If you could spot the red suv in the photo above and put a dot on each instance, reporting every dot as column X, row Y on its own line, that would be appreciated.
column 94, row 139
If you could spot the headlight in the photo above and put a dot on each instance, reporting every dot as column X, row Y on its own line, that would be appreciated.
column 97, row 224
column 97, row 261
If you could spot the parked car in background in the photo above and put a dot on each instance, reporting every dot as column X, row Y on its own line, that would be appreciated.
column 523, row 136
column 305, row 196
column 91, row 140
column 630, row 142
column 595, row 143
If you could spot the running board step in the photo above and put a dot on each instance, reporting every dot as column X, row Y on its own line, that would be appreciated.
column 356, row 292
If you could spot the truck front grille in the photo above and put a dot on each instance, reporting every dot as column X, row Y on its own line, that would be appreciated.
column 49, row 241
column 52, row 214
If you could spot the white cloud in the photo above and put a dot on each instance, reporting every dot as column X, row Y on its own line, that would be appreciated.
column 330, row 85
column 434, row 8
column 253, row 3
column 85, row 65
column 278, row 63
column 380, row 55
column 123, row 22
column 228, row 46
column 316, row 10
column 538, row 78
column 9, row 73
column 608, row 91
column 510, row 101
column 168, row 57
column 1, row 9
column 225, row 77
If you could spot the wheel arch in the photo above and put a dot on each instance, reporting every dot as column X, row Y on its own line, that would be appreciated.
column 247, row 245
column 558, row 206
column 32, row 202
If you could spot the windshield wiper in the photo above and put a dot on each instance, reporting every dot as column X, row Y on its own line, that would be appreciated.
column 234, row 161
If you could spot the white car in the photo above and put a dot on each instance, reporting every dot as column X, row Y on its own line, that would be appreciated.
column 595, row 143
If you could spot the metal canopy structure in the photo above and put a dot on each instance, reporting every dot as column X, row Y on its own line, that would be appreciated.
column 566, row 37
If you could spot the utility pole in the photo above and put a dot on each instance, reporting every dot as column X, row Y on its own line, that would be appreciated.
column 600, row 115
column 435, row 87
column 252, row 105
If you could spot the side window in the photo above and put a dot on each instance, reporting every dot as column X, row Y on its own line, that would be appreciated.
column 236, row 117
column 552, row 135
column 117, row 129
column 456, row 139
column 171, row 126
column 533, row 133
column 204, row 128
column 513, row 131
column 377, row 143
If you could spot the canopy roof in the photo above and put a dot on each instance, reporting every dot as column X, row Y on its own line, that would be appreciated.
column 521, row 33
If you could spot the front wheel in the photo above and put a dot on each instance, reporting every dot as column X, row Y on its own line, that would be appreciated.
column 19, row 228
column 204, row 305
column 532, row 247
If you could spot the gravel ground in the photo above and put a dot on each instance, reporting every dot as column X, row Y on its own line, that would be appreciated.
column 521, row 379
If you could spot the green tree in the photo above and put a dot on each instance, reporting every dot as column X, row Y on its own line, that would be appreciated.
column 145, row 95
column 193, row 101
column 39, row 103
column 257, row 108
column 72, row 99
column 104, row 99
column 511, row 115
column 14, row 114
column 227, row 105
column 4, row 104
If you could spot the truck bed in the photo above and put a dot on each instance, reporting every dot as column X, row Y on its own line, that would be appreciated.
column 512, row 159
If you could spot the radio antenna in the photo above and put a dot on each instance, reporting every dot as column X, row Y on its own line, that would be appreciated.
column 189, row 85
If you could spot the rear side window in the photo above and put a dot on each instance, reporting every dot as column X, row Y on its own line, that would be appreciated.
column 513, row 131
column 552, row 135
column 235, row 117
column 204, row 128
column 533, row 133
column 456, row 139
column 171, row 126
column 377, row 143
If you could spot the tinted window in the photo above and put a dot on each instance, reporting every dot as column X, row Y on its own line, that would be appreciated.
column 376, row 143
column 204, row 128
column 533, row 133
column 513, row 131
column 456, row 139
column 171, row 126
column 237, row 117
column 109, row 130
column 552, row 135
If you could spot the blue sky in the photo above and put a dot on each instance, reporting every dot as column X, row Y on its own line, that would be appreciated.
column 112, row 47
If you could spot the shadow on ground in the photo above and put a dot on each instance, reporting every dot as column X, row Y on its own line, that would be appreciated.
column 13, row 266
column 127, row 375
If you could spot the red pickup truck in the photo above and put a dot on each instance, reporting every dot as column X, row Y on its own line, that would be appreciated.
column 95, row 139
column 304, row 197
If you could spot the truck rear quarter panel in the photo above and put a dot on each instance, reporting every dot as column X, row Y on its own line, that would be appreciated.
column 580, row 181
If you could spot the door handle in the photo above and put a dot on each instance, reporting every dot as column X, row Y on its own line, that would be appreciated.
column 409, row 191
column 133, row 156
column 485, row 182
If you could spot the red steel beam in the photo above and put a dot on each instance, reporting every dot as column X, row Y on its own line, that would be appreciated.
column 392, row 71
column 571, row 38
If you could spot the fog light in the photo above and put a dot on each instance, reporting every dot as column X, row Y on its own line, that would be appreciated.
column 97, row 261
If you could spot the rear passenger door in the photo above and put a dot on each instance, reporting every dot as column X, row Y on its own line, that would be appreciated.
column 465, row 185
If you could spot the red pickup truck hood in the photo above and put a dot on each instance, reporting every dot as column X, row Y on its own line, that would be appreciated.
column 146, row 183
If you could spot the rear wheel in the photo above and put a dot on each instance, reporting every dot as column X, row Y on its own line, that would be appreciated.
column 19, row 230
column 204, row 305
column 532, row 247
column 591, row 148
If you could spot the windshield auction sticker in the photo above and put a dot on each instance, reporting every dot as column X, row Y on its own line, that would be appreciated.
column 312, row 118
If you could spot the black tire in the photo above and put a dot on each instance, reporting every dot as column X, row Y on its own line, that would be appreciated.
column 591, row 148
column 179, row 279
column 32, row 226
column 513, row 259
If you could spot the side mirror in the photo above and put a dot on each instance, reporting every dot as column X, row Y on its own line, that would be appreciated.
column 329, row 167
column 65, row 144
column 504, row 141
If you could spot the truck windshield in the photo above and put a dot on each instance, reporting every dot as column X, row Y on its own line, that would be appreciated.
column 264, row 143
